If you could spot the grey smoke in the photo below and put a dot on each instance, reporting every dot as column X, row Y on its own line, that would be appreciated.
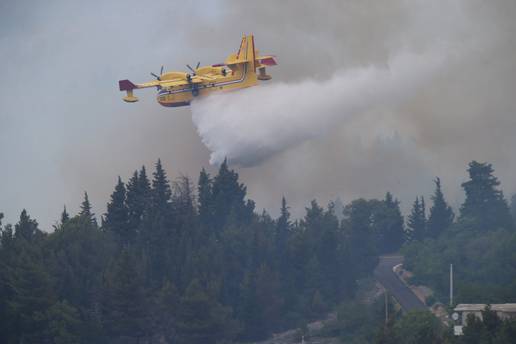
column 64, row 129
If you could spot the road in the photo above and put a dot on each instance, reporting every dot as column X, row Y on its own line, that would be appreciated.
column 388, row 279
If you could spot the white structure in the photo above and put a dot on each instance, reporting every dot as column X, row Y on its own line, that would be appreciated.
column 503, row 310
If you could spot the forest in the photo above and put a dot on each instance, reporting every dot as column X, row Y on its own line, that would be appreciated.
column 183, row 262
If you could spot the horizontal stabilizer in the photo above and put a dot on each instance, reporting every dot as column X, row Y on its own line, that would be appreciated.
column 126, row 85
column 267, row 60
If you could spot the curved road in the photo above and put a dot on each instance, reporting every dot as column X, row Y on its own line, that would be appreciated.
column 388, row 279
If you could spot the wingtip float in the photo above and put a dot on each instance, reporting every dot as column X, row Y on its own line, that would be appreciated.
column 240, row 70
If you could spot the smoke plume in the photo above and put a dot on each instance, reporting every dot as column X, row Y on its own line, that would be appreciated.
column 368, row 97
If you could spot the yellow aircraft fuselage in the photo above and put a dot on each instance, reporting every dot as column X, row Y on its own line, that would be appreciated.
column 180, row 88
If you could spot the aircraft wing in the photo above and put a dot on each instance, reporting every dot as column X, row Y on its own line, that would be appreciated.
column 172, row 83
column 149, row 84
column 202, row 78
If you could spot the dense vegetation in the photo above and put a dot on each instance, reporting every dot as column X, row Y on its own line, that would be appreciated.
column 170, row 263
column 421, row 327
column 481, row 244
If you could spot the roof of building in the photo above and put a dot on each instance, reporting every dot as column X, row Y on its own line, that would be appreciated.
column 477, row 307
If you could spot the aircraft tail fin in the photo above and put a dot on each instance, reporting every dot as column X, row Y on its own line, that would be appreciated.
column 128, row 86
column 246, row 53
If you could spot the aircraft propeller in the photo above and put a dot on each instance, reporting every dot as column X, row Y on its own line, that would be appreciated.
column 196, row 67
column 158, row 77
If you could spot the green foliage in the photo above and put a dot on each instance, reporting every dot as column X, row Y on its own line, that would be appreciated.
column 415, row 327
column 64, row 216
column 161, row 192
column 117, row 216
column 86, row 211
column 165, row 311
column 358, row 322
column 125, row 313
column 373, row 227
column 484, row 203
column 167, row 266
column 441, row 214
column 419, row 327
column 482, row 265
column 417, row 220
column 77, row 255
column 27, row 228
column 137, row 199
column 488, row 330
column 358, row 223
column 202, row 319
column 64, row 323
column 25, row 283
column 228, row 198
column 388, row 224
column 283, row 228
column 513, row 208
column 481, row 246
column 205, row 199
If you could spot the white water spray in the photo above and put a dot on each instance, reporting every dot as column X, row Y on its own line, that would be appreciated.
column 251, row 125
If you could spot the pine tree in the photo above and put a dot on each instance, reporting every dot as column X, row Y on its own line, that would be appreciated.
column 441, row 214
column 137, row 198
column 388, row 224
column 201, row 319
column 64, row 216
column 159, row 230
column 144, row 186
column 125, row 306
column 283, row 228
column 86, row 212
column 205, row 198
column 357, row 222
column 166, row 309
column 132, row 201
column 117, row 216
column 314, row 275
column 423, row 210
column 161, row 191
column 485, row 204
column 32, row 293
column 63, row 324
column 318, row 305
column 513, row 208
column 249, row 309
column 229, row 198
column 417, row 220
column 268, row 297
column 183, row 200
column 27, row 228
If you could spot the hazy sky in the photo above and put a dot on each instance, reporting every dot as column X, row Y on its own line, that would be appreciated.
column 64, row 128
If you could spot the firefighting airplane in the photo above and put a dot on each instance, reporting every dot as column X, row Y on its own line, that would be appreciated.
column 179, row 88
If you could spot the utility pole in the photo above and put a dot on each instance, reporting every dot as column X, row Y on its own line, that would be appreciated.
column 386, row 308
column 451, row 285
